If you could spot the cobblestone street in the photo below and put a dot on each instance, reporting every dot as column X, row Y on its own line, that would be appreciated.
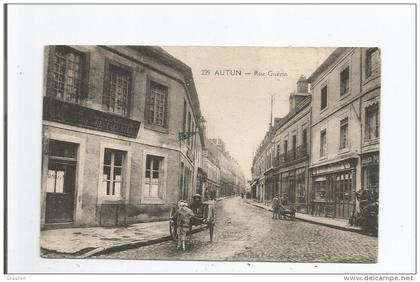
column 247, row 233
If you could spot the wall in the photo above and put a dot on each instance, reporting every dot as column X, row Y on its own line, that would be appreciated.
column 338, row 107
column 150, row 140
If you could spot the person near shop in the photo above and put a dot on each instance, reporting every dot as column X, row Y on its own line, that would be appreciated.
column 275, row 206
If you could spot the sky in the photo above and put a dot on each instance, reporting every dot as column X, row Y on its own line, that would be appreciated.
column 236, row 105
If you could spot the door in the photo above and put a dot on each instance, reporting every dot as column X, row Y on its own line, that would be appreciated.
column 343, row 197
column 61, row 182
column 152, row 179
column 292, row 190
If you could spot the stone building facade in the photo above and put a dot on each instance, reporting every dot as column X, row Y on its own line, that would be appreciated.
column 327, row 147
column 232, row 179
column 345, row 130
column 212, row 168
column 370, row 110
column 122, row 139
column 281, row 163
column 292, row 149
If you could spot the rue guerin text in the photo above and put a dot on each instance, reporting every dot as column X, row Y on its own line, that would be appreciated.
column 238, row 72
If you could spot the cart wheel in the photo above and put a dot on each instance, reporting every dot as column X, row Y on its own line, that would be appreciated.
column 190, row 232
column 172, row 224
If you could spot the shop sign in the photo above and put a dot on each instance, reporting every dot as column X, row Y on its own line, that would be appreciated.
column 332, row 168
column 370, row 160
column 73, row 114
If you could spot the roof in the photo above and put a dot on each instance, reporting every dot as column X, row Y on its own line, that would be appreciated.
column 163, row 57
column 167, row 59
column 327, row 63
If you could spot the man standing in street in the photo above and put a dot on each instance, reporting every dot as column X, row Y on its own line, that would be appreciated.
column 275, row 206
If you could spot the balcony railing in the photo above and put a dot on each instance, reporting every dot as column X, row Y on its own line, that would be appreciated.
column 276, row 161
column 300, row 153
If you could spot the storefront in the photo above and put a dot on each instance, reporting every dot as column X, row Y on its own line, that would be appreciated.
column 293, row 184
column 270, row 187
column 333, row 187
column 254, row 189
column 370, row 171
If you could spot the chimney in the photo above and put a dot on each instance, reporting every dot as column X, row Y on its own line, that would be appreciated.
column 302, row 85
column 302, row 92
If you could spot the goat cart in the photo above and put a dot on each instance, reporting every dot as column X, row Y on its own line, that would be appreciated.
column 202, row 217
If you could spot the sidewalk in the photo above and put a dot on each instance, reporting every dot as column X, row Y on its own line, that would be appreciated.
column 84, row 242
column 329, row 222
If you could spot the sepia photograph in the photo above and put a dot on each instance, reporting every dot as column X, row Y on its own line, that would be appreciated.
column 211, row 153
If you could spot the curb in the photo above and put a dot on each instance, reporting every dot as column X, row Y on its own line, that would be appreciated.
column 135, row 244
column 131, row 245
column 316, row 222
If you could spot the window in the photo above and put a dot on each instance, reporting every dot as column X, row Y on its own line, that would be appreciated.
column 370, row 177
column 373, row 59
column 116, row 98
column 343, row 188
column 285, row 150
column 189, row 128
column 292, row 190
column 152, row 176
column 67, row 72
column 344, row 129
column 62, row 158
column 320, row 188
column 112, row 172
column 300, row 186
column 193, row 135
column 323, row 144
column 304, row 139
column 324, row 97
column 157, row 104
column 345, row 81
column 294, row 147
column 372, row 123
column 284, row 183
column 187, row 183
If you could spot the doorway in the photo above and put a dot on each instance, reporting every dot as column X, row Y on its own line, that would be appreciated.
column 61, row 182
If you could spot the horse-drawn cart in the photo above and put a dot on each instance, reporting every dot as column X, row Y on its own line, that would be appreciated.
column 204, row 216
